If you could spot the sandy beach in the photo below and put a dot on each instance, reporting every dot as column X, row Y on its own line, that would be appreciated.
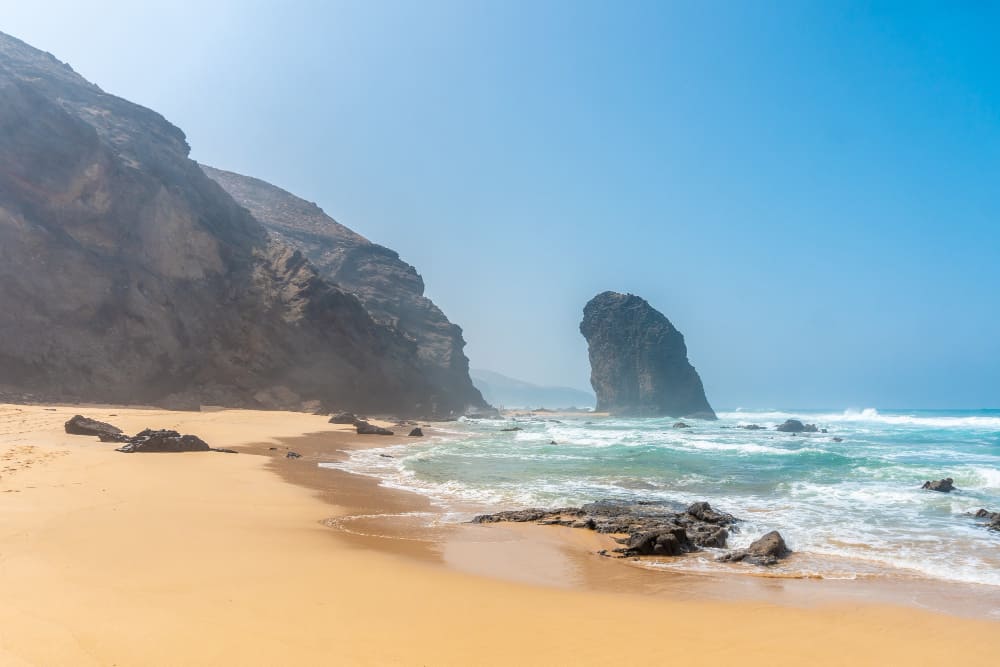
column 255, row 559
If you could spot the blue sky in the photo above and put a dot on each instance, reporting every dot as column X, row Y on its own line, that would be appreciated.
column 809, row 191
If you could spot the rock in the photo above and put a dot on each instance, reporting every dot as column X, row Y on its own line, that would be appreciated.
column 80, row 425
column 751, row 427
column 364, row 428
column 343, row 418
column 387, row 456
column 163, row 441
column 796, row 426
column 391, row 290
column 681, row 425
column 553, row 442
column 837, row 439
column 943, row 485
column 992, row 518
column 293, row 455
column 170, row 292
column 417, row 433
column 224, row 450
column 638, row 360
column 652, row 528
column 511, row 429
column 767, row 550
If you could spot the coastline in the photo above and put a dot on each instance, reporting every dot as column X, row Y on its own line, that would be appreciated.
column 208, row 558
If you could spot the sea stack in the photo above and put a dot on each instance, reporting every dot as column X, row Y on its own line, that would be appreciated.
column 638, row 360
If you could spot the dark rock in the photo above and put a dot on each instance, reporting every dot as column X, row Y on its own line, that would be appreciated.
column 767, row 550
column 681, row 425
column 553, row 442
column 224, row 450
column 364, row 428
column 838, row 439
column 417, row 433
column 293, row 455
column 164, row 441
column 652, row 528
column 751, row 427
column 387, row 456
column 943, row 485
column 343, row 418
column 796, row 426
column 80, row 425
column 992, row 519
column 638, row 360
column 508, row 430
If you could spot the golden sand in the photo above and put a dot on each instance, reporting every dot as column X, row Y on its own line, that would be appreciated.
column 213, row 559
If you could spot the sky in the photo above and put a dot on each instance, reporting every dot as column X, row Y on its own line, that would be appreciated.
column 809, row 191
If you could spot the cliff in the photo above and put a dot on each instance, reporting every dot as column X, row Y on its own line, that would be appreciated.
column 638, row 359
column 128, row 276
column 391, row 290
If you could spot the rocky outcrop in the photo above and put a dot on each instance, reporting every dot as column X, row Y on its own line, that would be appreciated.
column 417, row 433
column 164, row 441
column 364, row 428
column 796, row 426
column 651, row 528
column 766, row 551
column 128, row 276
column 945, row 485
column 638, row 359
column 391, row 290
column 344, row 418
column 80, row 425
column 992, row 519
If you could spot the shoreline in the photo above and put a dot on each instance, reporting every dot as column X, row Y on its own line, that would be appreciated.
column 208, row 558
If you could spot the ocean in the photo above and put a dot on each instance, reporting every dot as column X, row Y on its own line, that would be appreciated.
column 849, row 509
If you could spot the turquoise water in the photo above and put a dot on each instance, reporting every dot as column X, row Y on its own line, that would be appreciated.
column 849, row 509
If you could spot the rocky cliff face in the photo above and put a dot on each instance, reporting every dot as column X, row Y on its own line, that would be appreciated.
column 390, row 289
column 638, row 360
column 127, row 275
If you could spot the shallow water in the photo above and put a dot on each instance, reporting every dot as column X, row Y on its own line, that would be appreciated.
column 850, row 509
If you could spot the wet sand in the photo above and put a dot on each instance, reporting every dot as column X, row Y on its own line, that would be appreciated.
column 209, row 558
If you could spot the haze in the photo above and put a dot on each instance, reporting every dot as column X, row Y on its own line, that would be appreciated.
column 809, row 194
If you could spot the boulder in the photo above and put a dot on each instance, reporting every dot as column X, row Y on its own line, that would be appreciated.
column 943, row 485
column 293, row 455
column 751, row 427
column 80, row 425
column 164, row 441
column 364, row 428
column 417, row 433
column 767, row 550
column 344, row 418
column 638, row 359
column 796, row 426
column 682, row 425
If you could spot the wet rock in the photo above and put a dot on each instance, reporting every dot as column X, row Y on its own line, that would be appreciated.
column 943, row 485
column 293, row 455
column 682, row 425
column 751, row 427
column 796, row 426
column 838, row 439
column 164, row 441
column 767, row 550
column 225, row 450
column 364, row 428
column 511, row 429
column 344, row 418
column 80, row 425
column 650, row 528
column 992, row 519
column 417, row 433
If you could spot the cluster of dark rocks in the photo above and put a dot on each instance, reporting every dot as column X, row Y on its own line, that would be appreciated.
column 992, row 519
column 149, row 440
column 652, row 528
column 796, row 426
column 363, row 427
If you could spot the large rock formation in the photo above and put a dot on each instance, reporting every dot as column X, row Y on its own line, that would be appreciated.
column 391, row 289
column 127, row 275
column 638, row 360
